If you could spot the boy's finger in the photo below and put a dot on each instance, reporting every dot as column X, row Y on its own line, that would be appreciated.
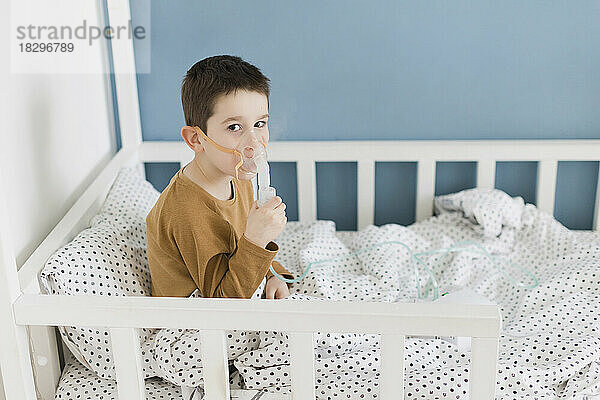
column 279, row 211
column 270, row 293
column 274, row 202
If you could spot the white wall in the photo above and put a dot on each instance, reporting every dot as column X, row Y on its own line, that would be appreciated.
column 61, row 137
column 56, row 135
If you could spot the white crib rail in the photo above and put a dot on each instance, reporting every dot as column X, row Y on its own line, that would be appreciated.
column 426, row 153
column 394, row 321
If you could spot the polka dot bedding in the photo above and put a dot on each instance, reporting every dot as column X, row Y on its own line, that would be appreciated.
column 106, row 259
column 79, row 383
column 549, row 347
column 550, row 344
column 487, row 209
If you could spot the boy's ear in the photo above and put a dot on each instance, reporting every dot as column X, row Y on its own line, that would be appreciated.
column 192, row 139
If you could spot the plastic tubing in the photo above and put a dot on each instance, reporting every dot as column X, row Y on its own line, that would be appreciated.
column 416, row 261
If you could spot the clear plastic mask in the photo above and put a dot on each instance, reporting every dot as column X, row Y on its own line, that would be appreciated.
column 250, row 149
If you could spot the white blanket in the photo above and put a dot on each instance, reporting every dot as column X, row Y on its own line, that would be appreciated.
column 550, row 346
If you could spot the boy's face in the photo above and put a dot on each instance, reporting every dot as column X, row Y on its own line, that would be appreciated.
column 234, row 115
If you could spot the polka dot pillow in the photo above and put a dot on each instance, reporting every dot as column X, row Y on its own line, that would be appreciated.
column 128, row 202
column 106, row 259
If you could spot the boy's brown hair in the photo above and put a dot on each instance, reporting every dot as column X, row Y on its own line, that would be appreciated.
column 211, row 77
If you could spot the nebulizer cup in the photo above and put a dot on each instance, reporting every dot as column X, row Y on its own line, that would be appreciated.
column 265, row 191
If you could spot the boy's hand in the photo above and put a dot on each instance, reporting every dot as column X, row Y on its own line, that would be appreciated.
column 265, row 223
column 276, row 289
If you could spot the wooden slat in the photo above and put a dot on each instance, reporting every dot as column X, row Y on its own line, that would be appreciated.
column 392, row 367
column 128, row 363
column 546, row 185
column 302, row 366
column 307, row 190
column 482, row 375
column 214, row 365
column 47, row 362
column 486, row 174
column 425, row 188
column 366, row 193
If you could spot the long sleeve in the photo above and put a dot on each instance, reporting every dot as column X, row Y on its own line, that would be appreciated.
column 220, row 264
column 244, row 270
column 280, row 270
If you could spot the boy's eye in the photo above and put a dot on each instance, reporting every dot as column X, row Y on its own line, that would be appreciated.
column 233, row 129
column 260, row 124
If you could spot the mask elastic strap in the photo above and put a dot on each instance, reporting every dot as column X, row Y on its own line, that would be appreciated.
column 262, row 141
column 225, row 149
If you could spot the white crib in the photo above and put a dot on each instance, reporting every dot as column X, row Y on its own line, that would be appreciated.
column 33, row 372
column 23, row 305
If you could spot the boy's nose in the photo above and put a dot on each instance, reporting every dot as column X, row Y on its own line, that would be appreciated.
column 248, row 152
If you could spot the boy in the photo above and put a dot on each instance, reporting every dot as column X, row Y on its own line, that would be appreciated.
column 205, row 231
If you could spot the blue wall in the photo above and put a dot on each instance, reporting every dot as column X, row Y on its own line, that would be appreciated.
column 395, row 70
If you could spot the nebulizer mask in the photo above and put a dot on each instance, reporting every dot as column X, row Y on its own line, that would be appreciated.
column 252, row 153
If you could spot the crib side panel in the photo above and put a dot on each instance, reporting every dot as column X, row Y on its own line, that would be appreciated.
column 15, row 359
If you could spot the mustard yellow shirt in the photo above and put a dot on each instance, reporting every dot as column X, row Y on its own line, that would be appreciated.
column 197, row 241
